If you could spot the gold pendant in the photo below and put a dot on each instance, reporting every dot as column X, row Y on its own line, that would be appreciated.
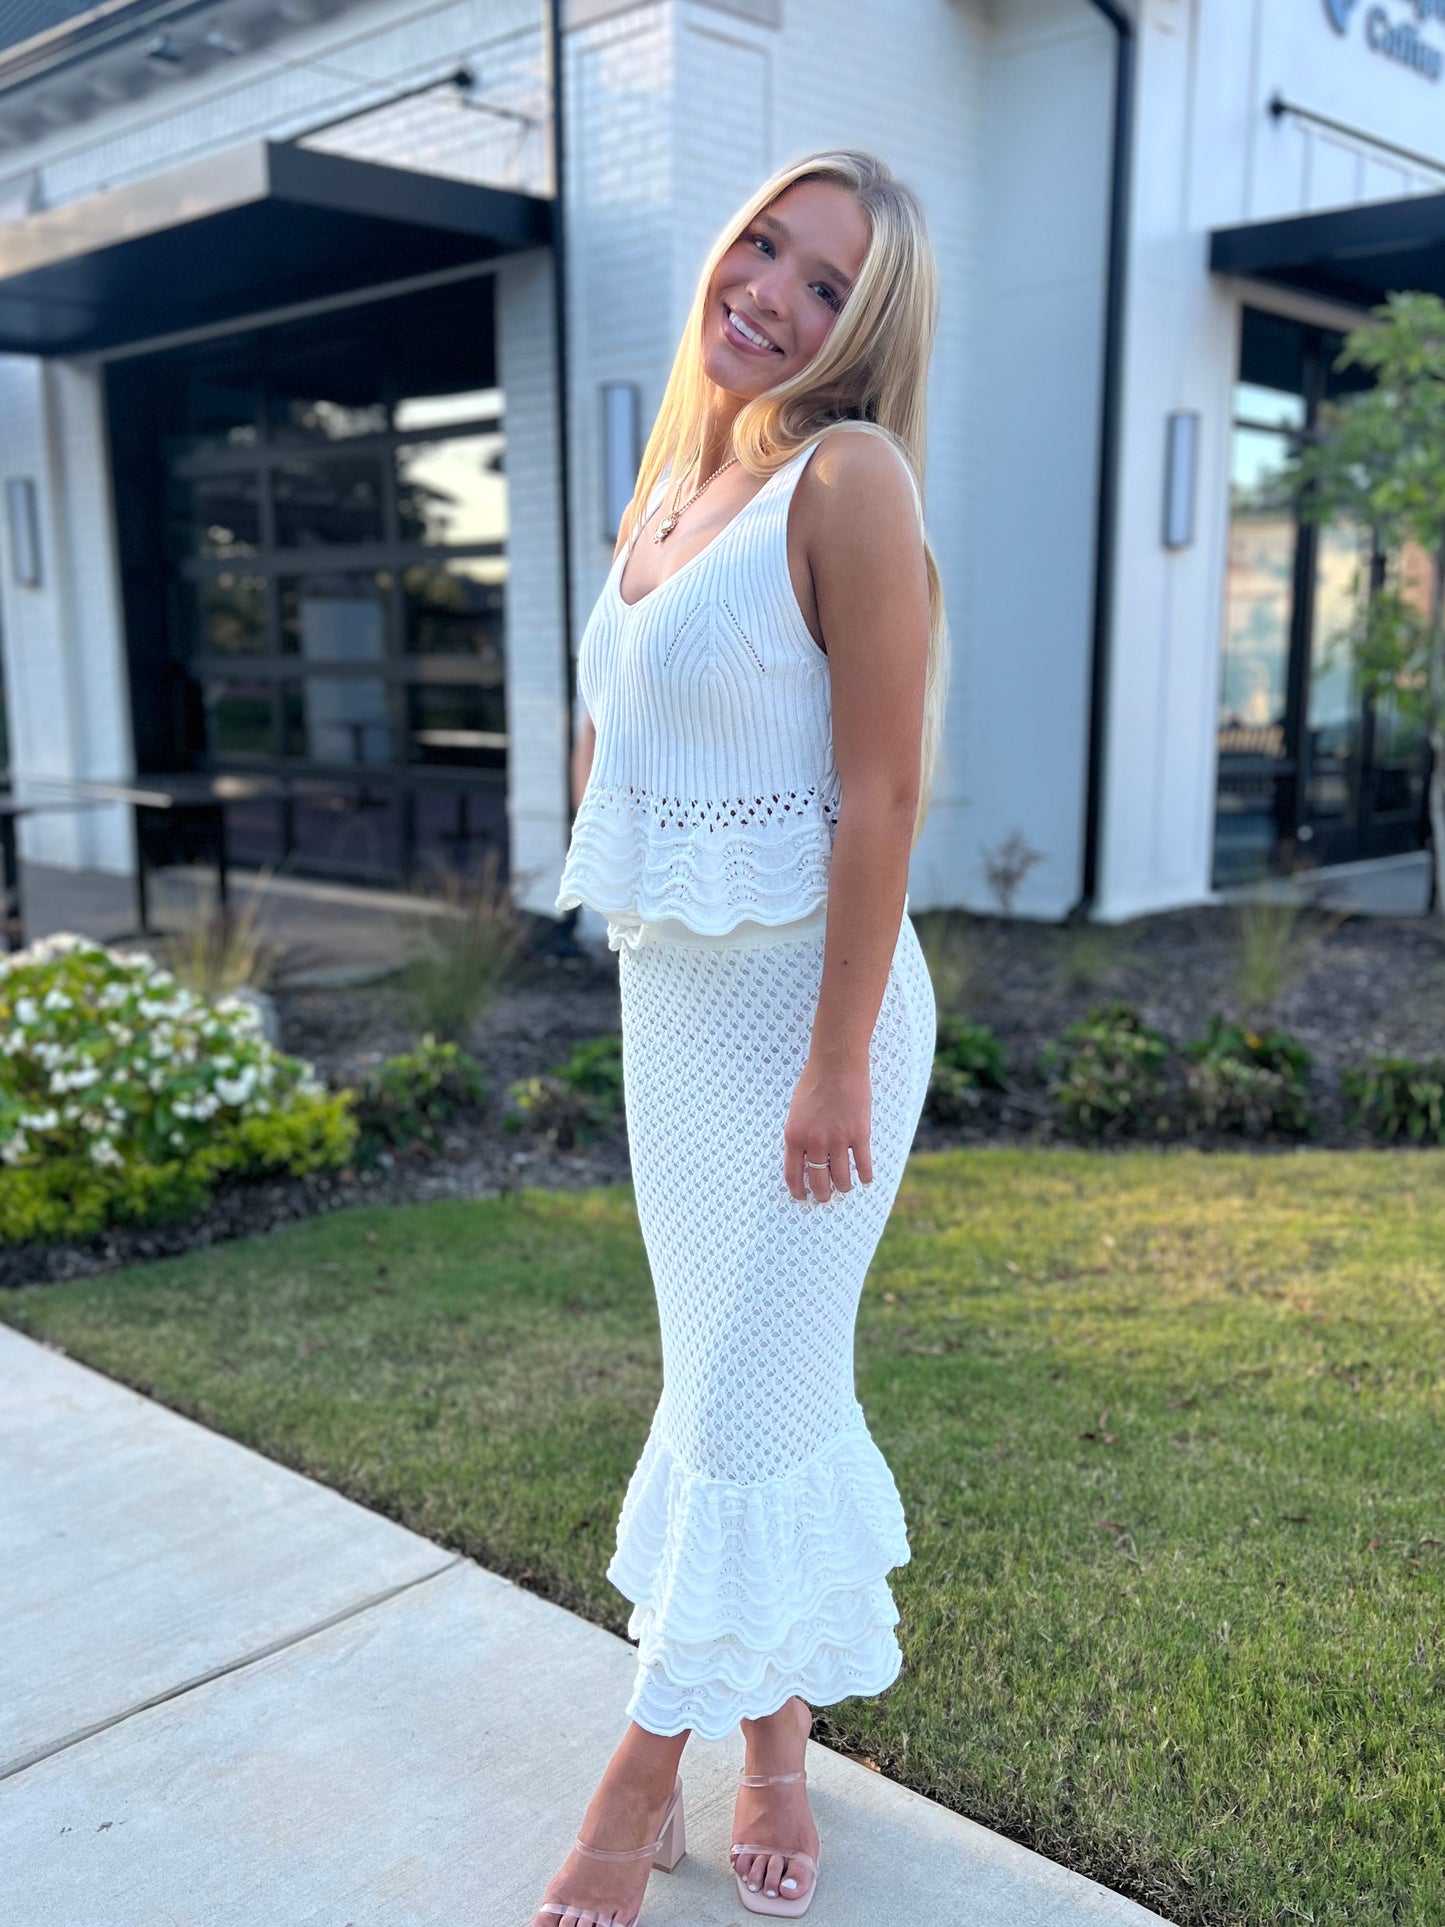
column 665, row 527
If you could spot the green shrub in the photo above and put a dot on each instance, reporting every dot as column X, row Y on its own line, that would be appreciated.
column 968, row 1060
column 574, row 1100
column 1238, row 1079
column 405, row 1100
column 124, row 1097
column 1105, row 1074
column 1397, row 1097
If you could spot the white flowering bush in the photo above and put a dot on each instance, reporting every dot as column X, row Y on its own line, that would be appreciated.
column 124, row 1096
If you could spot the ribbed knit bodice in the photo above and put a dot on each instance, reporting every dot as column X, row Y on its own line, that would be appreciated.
column 713, row 795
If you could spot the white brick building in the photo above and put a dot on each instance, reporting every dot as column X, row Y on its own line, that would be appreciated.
column 289, row 488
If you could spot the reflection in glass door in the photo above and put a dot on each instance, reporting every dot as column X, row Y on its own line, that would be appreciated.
column 1256, row 770
column 1310, row 772
column 317, row 570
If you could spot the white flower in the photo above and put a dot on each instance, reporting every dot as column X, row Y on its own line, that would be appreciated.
column 235, row 1090
column 26, row 1010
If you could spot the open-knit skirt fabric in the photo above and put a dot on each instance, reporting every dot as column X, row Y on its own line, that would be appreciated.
column 761, row 1519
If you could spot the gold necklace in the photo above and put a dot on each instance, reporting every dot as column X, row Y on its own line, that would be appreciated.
column 669, row 521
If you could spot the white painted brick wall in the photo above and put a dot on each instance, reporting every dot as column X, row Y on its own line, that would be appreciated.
column 536, row 689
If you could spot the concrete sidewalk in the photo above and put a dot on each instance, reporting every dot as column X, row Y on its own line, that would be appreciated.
column 230, row 1696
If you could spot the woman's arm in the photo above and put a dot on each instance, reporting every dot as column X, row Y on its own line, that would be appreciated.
column 584, row 742
column 865, row 549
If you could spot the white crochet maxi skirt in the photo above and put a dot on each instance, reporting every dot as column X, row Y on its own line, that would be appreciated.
column 761, row 1519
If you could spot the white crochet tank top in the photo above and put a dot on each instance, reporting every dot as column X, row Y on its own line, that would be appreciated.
column 713, row 796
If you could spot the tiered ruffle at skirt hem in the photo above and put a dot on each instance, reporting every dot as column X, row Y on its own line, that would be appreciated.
column 744, row 1594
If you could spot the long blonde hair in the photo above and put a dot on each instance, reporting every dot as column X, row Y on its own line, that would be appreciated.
column 872, row 369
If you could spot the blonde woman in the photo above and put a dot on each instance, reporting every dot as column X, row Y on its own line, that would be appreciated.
column 763, row 680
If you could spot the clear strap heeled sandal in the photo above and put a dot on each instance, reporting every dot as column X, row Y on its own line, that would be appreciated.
column 761, row 1903
column 664, row 1852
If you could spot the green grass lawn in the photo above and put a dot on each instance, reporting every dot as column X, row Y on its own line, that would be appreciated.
column 1169, row 1430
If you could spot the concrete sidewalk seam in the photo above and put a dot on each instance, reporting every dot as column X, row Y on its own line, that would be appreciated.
column 20, row 1765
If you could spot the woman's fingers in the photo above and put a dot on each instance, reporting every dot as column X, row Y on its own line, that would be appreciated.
column 828, row 1173
column 820, row 1188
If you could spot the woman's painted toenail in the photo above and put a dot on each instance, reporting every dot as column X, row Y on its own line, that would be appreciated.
column 790, row 1883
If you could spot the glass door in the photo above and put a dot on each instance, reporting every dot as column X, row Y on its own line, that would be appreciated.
column 1310, row 772
column 314, row 525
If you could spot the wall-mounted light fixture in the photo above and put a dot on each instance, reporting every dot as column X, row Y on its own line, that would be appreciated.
column 1181, row 449
column 24, row 527
column 621, row 451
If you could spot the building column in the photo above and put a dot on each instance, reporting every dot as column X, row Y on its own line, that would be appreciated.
column 66, row 691
column 537, row 801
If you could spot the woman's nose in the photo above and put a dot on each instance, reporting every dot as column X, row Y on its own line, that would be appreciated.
column 764, row 298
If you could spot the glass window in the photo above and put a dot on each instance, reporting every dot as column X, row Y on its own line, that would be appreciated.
column 1268, row 407
column 458, row 723
column 330, row 528
column 456, row 608
column 240, row 718
column 340, row 719
column 215, row 402
column 229, row 614
column 1309, row 770
column 336, row 615
column 445, row 411
column 452, row 491
column 293, row 419
column 1259, row 583
column 455, row 828
column 213, row 515
column 1254, row 667
column 357, row 836
column 1334, row 705
column 328, row 500
column 254, row 832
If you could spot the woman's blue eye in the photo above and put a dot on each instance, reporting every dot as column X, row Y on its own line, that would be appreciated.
column 767, row 239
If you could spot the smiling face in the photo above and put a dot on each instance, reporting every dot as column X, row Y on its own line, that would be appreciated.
column 786, row 278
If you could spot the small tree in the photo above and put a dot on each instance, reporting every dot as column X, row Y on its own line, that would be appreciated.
column 1378, row 458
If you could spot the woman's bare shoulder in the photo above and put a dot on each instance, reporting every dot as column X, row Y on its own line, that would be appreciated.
column 858, row 483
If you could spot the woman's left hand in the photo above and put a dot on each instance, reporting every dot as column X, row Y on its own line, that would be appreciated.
column 831, row 1114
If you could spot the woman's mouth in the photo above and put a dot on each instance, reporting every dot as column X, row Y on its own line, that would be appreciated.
column 735, row 337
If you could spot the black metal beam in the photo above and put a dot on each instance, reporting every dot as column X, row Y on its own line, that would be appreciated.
column 1111, row 406
column 1351, row 254
column 261, row 225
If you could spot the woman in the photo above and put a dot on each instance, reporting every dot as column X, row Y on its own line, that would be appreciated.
column 763, row 680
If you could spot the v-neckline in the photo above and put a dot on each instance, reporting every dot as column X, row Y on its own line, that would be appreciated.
column 622, row 560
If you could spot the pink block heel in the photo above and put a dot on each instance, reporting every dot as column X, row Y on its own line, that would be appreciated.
column 664, row 1852
column 760, row 1903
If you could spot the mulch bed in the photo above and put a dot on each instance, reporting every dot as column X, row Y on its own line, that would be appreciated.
column 1370, row 984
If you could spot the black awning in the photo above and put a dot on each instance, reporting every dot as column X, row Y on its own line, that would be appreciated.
column 1354, row 254
column 258, row 226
